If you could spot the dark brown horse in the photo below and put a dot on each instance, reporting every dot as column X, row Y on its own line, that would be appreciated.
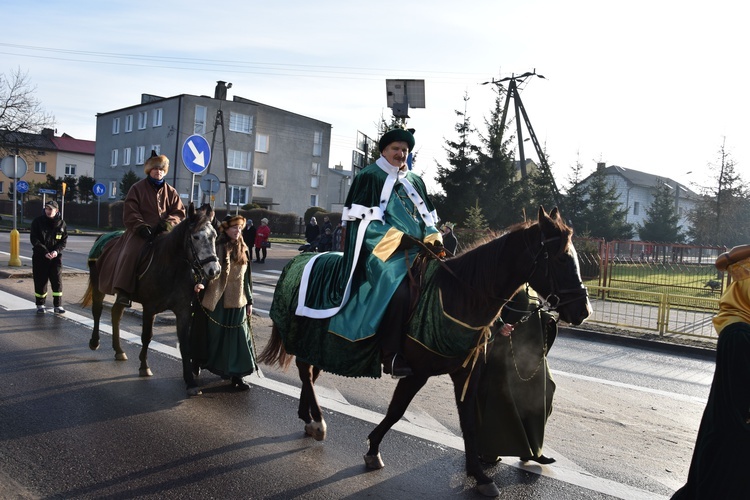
column 176, row 260
column 472, row 288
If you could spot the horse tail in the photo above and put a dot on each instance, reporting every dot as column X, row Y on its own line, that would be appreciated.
column 88, row 295
column 274, row 352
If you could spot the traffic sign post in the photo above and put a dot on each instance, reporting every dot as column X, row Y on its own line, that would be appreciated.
column 196, row 156
column 99, row 189
column 12, row 166
column 44, row 193
column 210, row 184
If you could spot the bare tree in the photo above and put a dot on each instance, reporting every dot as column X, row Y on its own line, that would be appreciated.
column 20, row 110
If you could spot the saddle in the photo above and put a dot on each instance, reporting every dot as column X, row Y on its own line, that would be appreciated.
column 417, row 271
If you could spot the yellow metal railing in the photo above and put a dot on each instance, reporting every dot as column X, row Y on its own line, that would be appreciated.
column 664, row 313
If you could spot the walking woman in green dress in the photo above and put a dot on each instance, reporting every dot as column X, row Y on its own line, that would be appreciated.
column 225, row 346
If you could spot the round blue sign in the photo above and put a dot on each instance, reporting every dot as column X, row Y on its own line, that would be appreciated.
column 99, row 189
column 22, row 186
column 196, row 153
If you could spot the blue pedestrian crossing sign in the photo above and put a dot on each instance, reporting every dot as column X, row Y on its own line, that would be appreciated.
column 22, row 186
column 196, row 153
column 99, row 189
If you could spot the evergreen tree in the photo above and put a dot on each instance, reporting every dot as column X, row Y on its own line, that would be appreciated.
column 475, row 225
column 720, row 217
column 661, row 224
column 128, row 179
column 575, row 200
column 85, row 188
column 458, row 178
column 498, row 191
column 602, row 216
column 71, row 187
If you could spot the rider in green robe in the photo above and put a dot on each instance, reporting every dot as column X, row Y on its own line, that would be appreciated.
column 385, row 203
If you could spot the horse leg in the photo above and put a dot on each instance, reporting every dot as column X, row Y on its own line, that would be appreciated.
column 147, row 333
column 309, row 410
column 183, row 336
column 405, row 391
column 97, row 306
column 117, row 310
column 467, row 418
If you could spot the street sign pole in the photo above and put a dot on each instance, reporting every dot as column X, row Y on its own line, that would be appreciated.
column 15, row 240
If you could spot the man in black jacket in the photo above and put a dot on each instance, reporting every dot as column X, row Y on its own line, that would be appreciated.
column 49, row 234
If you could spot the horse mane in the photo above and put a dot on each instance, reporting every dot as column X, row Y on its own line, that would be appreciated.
column 174, row 239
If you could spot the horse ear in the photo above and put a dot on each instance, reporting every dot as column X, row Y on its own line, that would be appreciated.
column 554, row 214
column 542, row 213
column 191, row 210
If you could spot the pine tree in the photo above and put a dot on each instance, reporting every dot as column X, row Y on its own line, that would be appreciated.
column 575, row 201
column 475, row 226
column 128, row 179
column 720, row 217
column 602, row 216
column 661, row 223
column 458, row 178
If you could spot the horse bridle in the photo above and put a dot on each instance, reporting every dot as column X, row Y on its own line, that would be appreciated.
column 197, row 263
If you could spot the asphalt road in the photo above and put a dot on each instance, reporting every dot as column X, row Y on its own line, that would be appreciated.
column 623, row 425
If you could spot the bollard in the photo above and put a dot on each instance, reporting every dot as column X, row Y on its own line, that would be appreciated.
column 15, row 249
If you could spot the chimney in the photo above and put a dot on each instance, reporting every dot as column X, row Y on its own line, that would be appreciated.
column 600, row 166
column 48, row 133
column 221, row 90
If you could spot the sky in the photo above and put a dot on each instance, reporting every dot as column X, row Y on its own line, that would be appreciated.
column 656, row 86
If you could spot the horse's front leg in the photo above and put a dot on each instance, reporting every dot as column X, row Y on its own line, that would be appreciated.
column 183, row 336
column 405, row 391
column 147, row 333
column 117, row 310
column 309, row 410
column 467, row 417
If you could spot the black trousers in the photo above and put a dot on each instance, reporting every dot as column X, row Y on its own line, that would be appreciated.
column 47, row 270
column 393, row 325
column 258, row 251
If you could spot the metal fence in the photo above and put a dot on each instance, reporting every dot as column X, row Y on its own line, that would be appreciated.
column 668, row 289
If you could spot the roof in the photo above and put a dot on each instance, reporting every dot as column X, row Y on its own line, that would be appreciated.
column 647, row 180
column 24, row 140
column 71, row 145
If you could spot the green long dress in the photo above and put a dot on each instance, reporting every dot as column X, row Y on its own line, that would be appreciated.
column 516, row 387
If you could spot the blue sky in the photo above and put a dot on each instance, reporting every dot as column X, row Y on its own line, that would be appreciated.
column 650, row 85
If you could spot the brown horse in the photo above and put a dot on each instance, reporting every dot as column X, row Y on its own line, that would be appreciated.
column 449, row 330
column 178, row 259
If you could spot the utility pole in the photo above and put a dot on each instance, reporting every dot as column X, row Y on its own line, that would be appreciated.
column 512, row 93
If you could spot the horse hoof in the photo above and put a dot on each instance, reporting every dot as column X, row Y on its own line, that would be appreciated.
column 194, row 391
column 489, row 489
column 317, row 430
column 145, row 372
column 121, row 356
column 374, row 461
column 93, row 345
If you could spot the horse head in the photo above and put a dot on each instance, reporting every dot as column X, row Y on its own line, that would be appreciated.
column 556, row 275
column 202, row 242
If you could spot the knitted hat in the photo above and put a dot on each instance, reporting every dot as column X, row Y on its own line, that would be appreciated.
column 232, row 220
column 53, row 204
column 397, row 134
column 264, row 220
column 156, row 161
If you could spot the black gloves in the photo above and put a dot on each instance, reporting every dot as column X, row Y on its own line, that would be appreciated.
column 146, row 233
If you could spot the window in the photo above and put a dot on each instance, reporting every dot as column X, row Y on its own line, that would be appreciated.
column 315, row 175
column 70, row 169
column 40, row 167
column 115, row 126
column 636, row 207
column 239, row 160
column 112, row 190
column 129, row 123
column 2, row 184
column 142, row 119
column 157, row 117
column 140, row 155
column 240, row 123
column 317, row 144
column 261, row 143
column 259, row 177
column 200, row 120
column 238, row 195
column 126, row 156
column 156, row 148
column 113, row 163
column 313, row 200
